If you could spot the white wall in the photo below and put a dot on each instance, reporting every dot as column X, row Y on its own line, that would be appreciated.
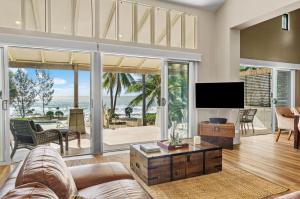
column 222, row 60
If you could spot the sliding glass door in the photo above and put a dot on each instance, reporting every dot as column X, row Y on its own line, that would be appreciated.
column 282, row 88
column 283, row 91
column 4, row 146
column 144, row 102
column 52, row 89
column 131, row 92
column 178, row 98
column 1, row 108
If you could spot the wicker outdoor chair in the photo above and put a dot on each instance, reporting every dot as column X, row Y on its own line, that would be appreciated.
column 246, row 118
column 28, row 135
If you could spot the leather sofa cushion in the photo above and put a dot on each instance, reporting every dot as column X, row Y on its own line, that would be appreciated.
column 31, row 191
column 11, row 180
column 93, row 174
column 45, row 165
column 9, row 185
column 16, row 170
column 119, row 189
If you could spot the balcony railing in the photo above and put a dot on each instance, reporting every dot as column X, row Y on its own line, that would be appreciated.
column 102, row 19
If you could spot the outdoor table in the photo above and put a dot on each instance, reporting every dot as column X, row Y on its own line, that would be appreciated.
column 70, row 135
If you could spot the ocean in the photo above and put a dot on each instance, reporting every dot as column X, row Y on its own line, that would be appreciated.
column 64, row 103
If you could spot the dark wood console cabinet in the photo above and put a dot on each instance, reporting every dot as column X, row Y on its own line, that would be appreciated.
column 219, row 134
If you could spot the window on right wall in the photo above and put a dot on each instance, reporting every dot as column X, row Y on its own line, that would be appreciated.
column 285, row 20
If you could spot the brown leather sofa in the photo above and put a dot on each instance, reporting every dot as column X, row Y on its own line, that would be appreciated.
column 44, row 174
column 294, row 195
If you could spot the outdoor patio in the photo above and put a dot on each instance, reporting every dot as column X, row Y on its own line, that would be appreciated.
column 116, row 139
column 115, row 136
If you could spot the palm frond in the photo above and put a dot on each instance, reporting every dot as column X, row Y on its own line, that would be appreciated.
column 136, row 101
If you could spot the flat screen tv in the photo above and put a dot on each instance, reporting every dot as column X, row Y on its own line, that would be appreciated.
column 220, row 95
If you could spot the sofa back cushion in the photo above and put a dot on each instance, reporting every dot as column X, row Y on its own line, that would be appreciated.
column 33, row 190
column 45, row 165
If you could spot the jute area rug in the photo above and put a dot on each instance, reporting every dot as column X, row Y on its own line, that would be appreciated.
column 231, row 183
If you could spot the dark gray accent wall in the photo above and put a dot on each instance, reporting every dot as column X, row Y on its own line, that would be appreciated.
column 267, row 41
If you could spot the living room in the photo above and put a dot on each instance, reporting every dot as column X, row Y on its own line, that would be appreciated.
column 148, row 68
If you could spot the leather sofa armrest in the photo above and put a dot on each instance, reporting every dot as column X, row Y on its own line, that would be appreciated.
column 94, row 174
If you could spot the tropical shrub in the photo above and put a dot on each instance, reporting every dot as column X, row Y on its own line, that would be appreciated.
column 59, row 114
column 128, row 111
column 50, row 114
column 22, row 119
column 150, row 118
column 114, row 115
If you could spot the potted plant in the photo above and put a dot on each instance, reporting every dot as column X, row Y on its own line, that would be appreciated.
column 174, row 136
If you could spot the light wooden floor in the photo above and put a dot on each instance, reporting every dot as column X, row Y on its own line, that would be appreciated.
column 261, row 155
column 277, row 162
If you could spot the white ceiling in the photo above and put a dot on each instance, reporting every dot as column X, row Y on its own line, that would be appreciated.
column 211, row 5
column 35, row 57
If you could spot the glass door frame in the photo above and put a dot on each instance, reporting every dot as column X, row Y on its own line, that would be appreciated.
column 274, row 92
column 68, row 46
column 4, row 109
column 192, row 111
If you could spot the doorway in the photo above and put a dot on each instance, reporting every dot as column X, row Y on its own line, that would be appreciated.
column 283, row 91
column 178, row 98
column 49, row 89
column 151, row 102
column 3, row 107
column 265, row 89
column 131, row 101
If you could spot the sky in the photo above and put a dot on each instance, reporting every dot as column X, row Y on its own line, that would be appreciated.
column 63, row 82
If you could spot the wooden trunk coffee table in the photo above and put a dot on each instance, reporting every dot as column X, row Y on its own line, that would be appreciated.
column 166, row 166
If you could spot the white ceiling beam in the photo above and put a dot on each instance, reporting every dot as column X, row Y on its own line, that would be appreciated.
column 10, row 55
column 141, row 63
column 120, row 62
column 48, row 65
column 35, row 13
column 164, row 33
column 129, row 69
column 75, row 16
column 71, row 56
column 42, row 56
column 81, row 67
column 143, row 20
column 109, row 20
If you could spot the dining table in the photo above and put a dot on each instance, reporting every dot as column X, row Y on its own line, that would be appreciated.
column 296, row 132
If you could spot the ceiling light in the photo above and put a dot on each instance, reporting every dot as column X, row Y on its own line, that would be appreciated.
column 120, row 35
column 18, row 22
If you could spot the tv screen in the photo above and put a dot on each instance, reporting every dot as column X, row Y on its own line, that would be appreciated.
column 220, row 95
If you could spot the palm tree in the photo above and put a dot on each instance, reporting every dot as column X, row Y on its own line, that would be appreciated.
column 177, row 88
column 116, row 82
column 152, row 92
